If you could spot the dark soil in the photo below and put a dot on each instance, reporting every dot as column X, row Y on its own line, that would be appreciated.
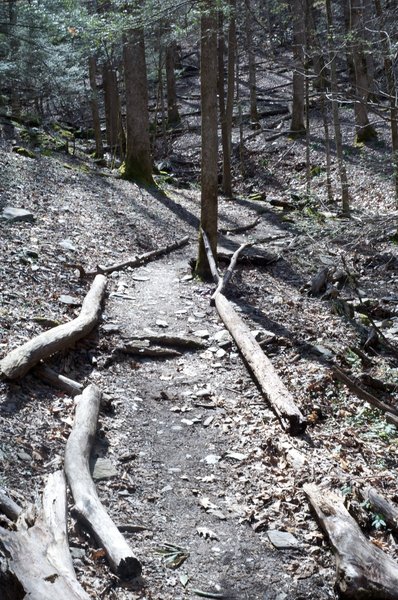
column 202, row 462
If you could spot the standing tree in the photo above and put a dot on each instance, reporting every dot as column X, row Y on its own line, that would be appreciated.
column 297, row 127
column 92, row 69
column 173, row 116
column 137, row 164
column 209, row 178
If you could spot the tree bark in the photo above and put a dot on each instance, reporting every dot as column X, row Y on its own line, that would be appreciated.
column 88, row 507
column 364, row 572
column 38, row 564
column 92, row 69
column 209, row 141
column 115, row 135
column 297, row 126
column 251, row 61
column 381, row 506
column 22, row 359
column 137, row 165
column 173, row 116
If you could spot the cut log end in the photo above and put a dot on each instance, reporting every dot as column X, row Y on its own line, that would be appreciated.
column 129, row 568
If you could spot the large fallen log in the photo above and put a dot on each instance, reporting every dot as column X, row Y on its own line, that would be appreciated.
column 88, row 508
column 271, row 385
column 381, row 506
column 19, row 361
column 36, row 562
column 363, row 571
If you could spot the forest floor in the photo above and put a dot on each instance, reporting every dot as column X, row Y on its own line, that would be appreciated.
column 193, row 455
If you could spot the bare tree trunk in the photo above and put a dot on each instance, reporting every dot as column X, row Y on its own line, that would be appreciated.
column 252, row 64
column 392, row 90
column 209, row 177
column 297, row 127
column 115, row 135
column 336, row 118
column 92, row 69
column 138, row 162
column 173, row 116
column 364, row 131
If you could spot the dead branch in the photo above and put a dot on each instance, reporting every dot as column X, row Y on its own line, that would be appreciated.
column 210, row 257
column 240, row 229
column 37, row 563
column 22, row 359
column 362, row 394
column 271, row 385
column 88, row 507
column 144, row 349
column 223, row 281
column 163, row 339
column 61, row 382
column 381, row 506
column 363, row 571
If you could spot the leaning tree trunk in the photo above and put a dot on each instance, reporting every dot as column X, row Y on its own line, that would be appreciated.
column 209, row 177
column 92, row 69
column 137, row 165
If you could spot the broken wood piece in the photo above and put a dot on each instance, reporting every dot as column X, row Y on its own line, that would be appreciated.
column 141, row 260
column 319, row 282
column 22, row 359
column 382, row 506
column 392, row 419
column 241, row 228
column 36, row 559
column 61, row 382
column 362, row 394
column 164, row 339
column 8, row 507
column 363, row 571
column 140, row 348
column 88, row 508
column 223, row 281
column 271, row 385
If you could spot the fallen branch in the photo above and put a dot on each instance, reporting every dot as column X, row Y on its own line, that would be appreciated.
column 222, row 283
column 8, row 507
column 363, row 571
column 242, row 228
column 37, row 563
column 135, row 262
column 61, row 382
column 22, row 359
column 382, row 506
column 210, row 257
column 163, row 339
column 88, row 507
column 143, row 348
column 362, row 394
column 271, row 385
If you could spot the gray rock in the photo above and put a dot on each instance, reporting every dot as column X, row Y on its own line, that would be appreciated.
column 13, row 215
column 71, row 300
column 282, row 540
column 103, row 468
column 67, row 245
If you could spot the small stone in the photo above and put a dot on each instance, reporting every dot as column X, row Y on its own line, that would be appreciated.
column 67, row 245
column 110, row 328
column 220, row 353
column 283, row 540
column 202, row 333
column 24, row 455
column 13, row 215
column 71, row 300
column 161, row 323
column 103, row 468
column 212, row 459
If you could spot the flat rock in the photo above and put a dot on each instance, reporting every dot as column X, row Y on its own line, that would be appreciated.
column 71, row 300
column 67, row 245
column 103, row 468
column 282, row 540
column 12, row 214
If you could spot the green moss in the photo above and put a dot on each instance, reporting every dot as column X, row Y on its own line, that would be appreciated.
column 24, row 152
column 135, row 174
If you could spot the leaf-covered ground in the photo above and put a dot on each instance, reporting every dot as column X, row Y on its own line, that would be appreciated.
column 198, row 465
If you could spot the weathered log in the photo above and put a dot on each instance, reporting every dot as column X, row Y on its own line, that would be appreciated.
column 241, row 228
column 381, row 506
column 271, row 385
column 362, row 394
column 140, row 348
column 222, row 283
column 392, row 419
column 22, row 359
column 37, row 563
column 88, row 508
column 164, row 339
column 8, row 507
column 363, row 571
column 70, row 386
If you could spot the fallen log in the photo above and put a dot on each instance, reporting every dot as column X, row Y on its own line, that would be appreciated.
column 363, row 571
column 241, row 228
column 142, row 348
column 381, row 506
column 362, row 394
column 88, row 508
column 36, row 560
column 271, row 385
column 19, row 361
column 136, row 261
column 164, row 339
column 70, row 386
column 8, row 507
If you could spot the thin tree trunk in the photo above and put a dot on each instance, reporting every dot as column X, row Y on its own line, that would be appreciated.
column 173, row 116
column 92, row 69
column 138, row 163
column 336, row 118
column 209, row 177
column 251, row 61
column 297, row 127
column 115, row 135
